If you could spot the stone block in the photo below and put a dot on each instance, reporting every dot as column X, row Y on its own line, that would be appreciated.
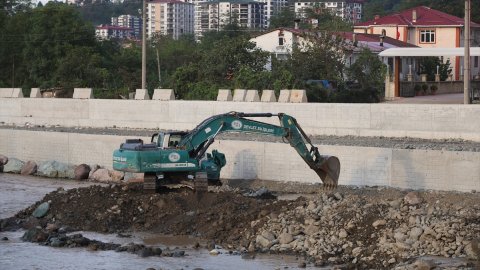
column 35, row 93
column 252, row 96
column 83, row 93
column 163, row 94
column 6, row 92
column 268, row 96
column 141, row 94
column 17, row 93
column 298, row 96
column 239, row 95
column 284, row 96
column 224, row 95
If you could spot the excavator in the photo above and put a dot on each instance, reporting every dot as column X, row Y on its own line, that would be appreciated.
column 180, row 158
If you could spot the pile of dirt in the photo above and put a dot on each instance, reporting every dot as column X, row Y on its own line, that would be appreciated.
column 365, row 227
column 217, row 216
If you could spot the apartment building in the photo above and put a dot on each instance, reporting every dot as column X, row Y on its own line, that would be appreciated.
column 129, row 21
column 111, row 31
column 272, row 7
column 170, row 17
column 213, row 16
column 350, row 11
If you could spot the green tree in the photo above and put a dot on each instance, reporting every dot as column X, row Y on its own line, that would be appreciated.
column 428, row 65
column 56, row 31
column 368, row 74
column 285, row 18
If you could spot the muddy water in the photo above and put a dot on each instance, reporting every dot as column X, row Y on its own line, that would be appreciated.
column 18, row 192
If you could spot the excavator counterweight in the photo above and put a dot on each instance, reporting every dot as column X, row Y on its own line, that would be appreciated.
column 181, row 156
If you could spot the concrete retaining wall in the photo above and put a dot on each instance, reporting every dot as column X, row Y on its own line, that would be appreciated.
column 431, row 121
column 417, row 169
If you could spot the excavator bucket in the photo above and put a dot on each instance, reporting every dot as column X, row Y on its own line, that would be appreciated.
column 329, row 171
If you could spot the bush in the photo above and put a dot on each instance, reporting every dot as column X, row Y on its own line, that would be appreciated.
column 424, row 88
column 417, row 88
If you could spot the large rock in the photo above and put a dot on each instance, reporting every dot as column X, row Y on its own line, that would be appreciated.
column 93, row 168
column 412, row 198
column 54, row 169
column 81, row 172
column 285, row 238
column 35, row 235
column 41, row 210
column 3, row 160
column 102, row 175
column 263, row 242
column 13, row 166
column 117, row 176
column 29, row 168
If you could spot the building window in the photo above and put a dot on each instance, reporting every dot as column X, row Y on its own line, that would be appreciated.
column 475, row 62
column 280, row 41
column 427, row 36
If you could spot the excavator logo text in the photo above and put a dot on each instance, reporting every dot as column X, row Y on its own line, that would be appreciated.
column 174, row 157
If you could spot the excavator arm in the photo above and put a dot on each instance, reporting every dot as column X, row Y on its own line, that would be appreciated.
column 199, row 139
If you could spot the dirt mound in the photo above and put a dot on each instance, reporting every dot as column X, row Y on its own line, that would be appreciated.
column 358, row 227
column 217, row 216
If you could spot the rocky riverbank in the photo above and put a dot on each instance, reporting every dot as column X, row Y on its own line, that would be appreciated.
column 352, row 227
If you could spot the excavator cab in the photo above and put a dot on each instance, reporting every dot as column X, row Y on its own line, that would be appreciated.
column 167, row 139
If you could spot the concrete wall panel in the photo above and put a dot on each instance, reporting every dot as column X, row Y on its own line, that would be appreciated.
column 431, row 121
column 417, row 169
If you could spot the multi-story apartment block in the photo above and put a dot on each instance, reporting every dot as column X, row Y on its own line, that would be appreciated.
column 213, row 16
column 272, row 7
column 111, row 31
column 169, row 17
column 129, row 21
column 350, row 10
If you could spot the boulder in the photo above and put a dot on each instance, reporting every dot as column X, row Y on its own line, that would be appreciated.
column 29, row 168
column 3, row 160
column 35, row 235
column 285, row 238
column 102, row 175
column 93, row 168
column 81, row 172
column 412, row 198
column 263, row 242
column 41, row 210
column 133, row 177
column 13, row 166
column 52, row 169
column 117, row 176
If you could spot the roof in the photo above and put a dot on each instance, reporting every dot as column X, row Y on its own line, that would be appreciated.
column 361, row 37
column 425, row 17
column 420, row 52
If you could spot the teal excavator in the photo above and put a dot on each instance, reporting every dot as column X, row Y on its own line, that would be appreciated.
column 180, row 158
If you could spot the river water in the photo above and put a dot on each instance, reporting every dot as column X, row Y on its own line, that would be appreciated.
column 18, row 192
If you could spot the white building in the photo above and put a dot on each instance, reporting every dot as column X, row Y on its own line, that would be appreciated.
column 350, row 10
column 129, row 21
column 213, row 16
column 170, row 17
column 272, row 7
column 111, row 31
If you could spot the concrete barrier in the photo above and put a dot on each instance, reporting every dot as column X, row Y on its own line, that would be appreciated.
column 298, row 96
column 361, row 166
column 239, row 95
column 11, row 93
column 83, row 93
column 141, row 94
column 224, row 95
column 284, row 96
column 429, row 121
column 268, row 96
column 35, row 93
column 163, row 94
column 252, row 96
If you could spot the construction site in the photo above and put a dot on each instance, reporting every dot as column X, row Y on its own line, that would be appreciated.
column 316, row 186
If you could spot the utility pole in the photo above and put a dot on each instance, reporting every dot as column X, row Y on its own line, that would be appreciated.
column 144, row 45
column 466, row 58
